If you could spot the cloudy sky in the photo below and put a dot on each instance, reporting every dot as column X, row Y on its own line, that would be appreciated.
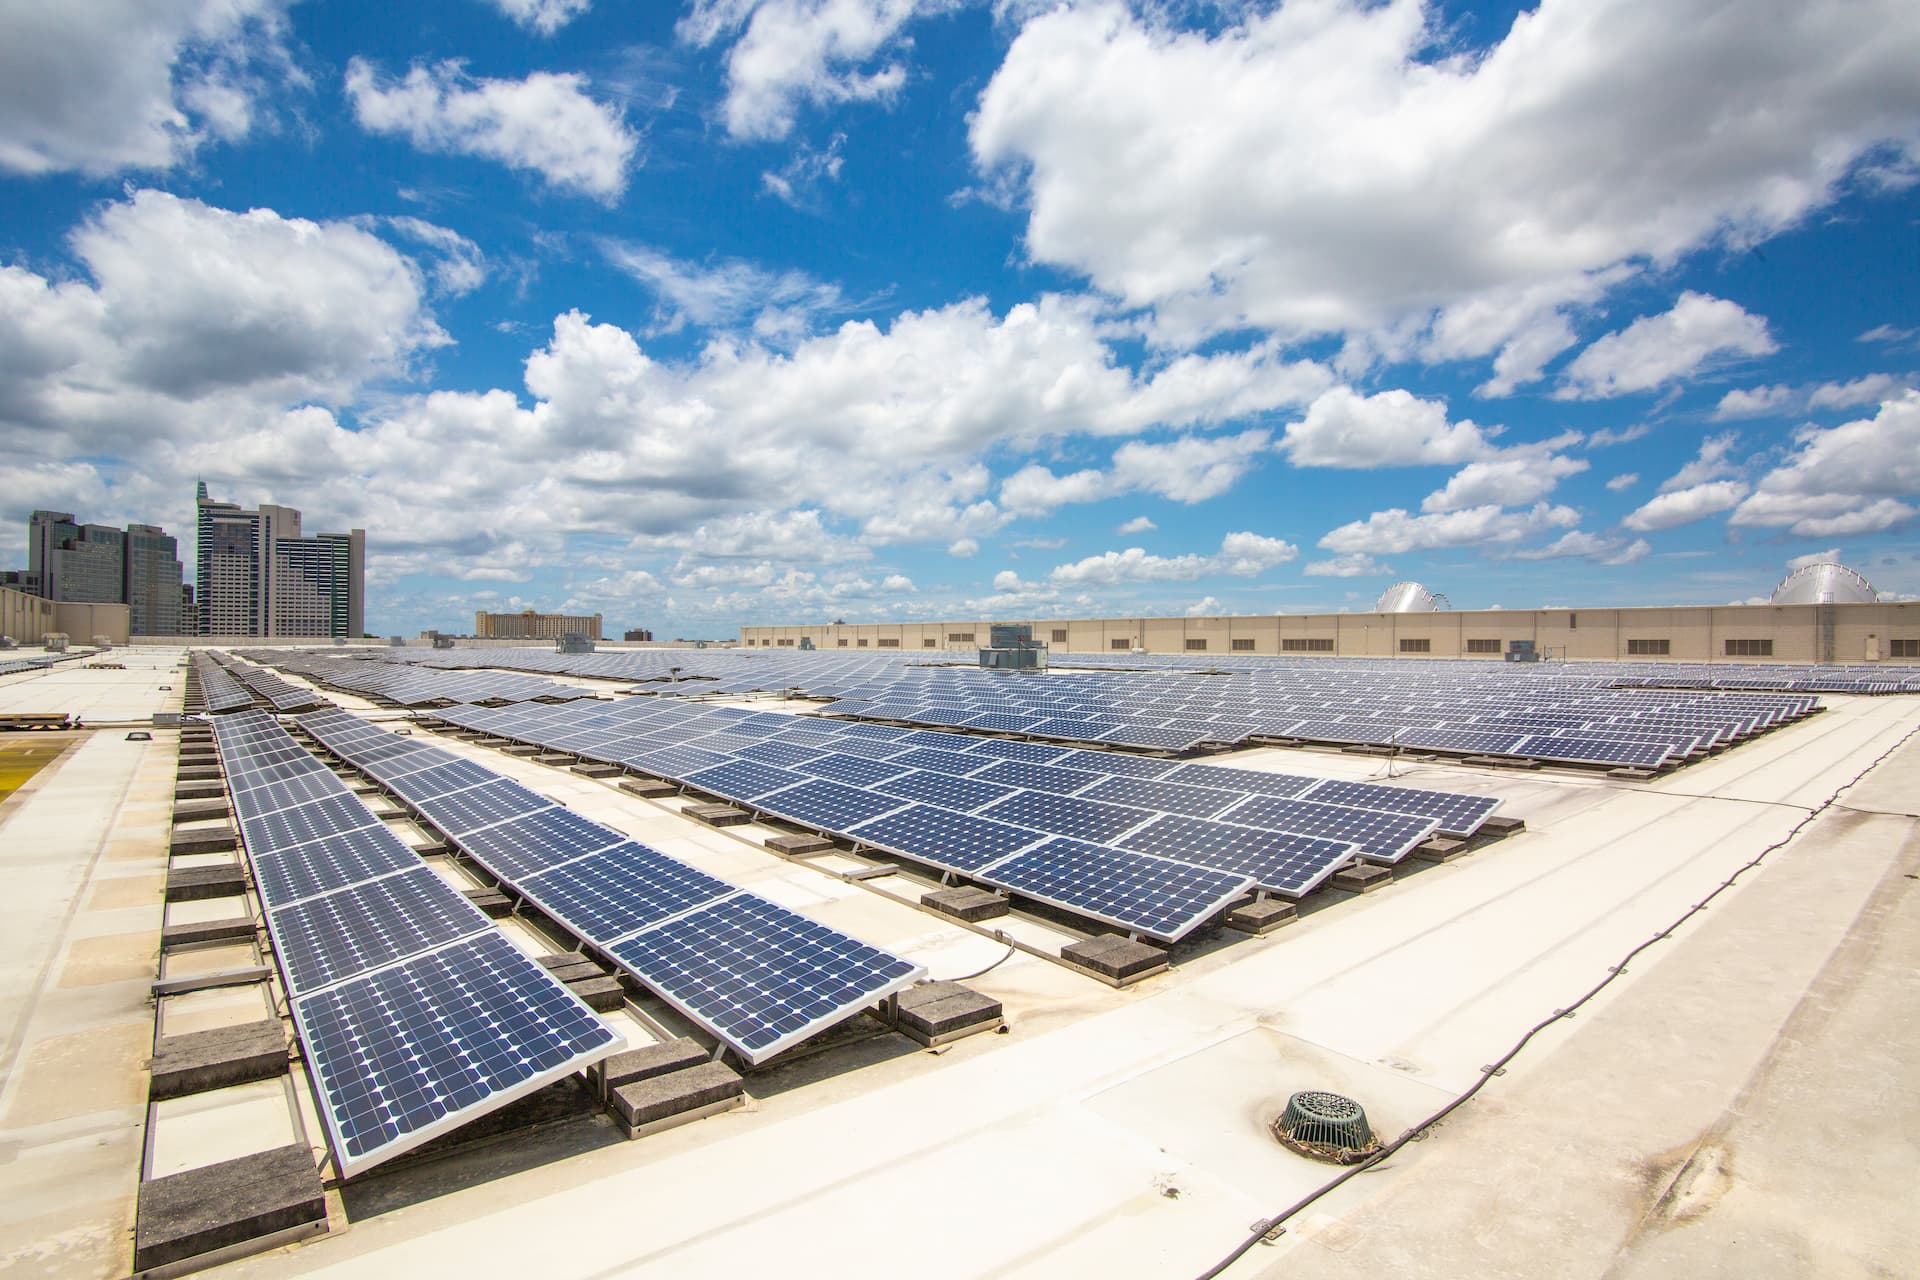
column 766, row 310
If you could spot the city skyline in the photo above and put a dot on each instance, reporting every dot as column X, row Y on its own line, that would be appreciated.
column 723, row 315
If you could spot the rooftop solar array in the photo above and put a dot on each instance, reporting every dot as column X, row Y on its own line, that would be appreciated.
column 415, row 1014
column 961, row 805
column 283, row 694
column 759, row 977
column 408, row 686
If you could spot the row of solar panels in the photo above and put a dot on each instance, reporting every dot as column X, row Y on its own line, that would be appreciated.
column 409, row 686
column 1115, row 837
column 282, row 694
column 758, row 976
column 415, row 1013
column 218, row 687
column 823, row 673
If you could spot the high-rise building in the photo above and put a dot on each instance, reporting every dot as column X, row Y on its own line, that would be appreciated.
column 257, row 576
column 153, row 581
column 78, row 563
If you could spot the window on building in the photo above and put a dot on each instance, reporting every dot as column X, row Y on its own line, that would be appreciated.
column 1195, row 645
column 1307, row 644
column 889, row 644
column 1243, row 646
column 959, row 637
column 1649, row 648
column 861, row 645
column 842, row 642
column 786, row 644
column 1409, row 644
column 1750, row 648
column 1903, row 648
column 1482, row 645
column 1059, row 635
column 929, row 643
column 1121, row 644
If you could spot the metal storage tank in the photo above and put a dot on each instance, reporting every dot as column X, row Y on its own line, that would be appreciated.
column 1824, row 583
column 1408, row 597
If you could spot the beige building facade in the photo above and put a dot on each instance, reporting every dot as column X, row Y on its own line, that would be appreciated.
column 1725, row 633
column 529, row 625
column 29, row 619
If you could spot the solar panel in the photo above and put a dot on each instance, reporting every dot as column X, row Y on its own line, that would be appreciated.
column 273, row 796
column 1066, row 815
column 1038, row 777
column 1380, row 837
column 1167, row 797
column 1277, row 860
column 943, row 761
column 1025, row 752
column 341, row 935
column 944, row 789
column 1258, row 781
column 743, row 780
column 407, row 1053
column 1155, row 896
column 1577, row 750
column 329, row 864
column 620, row 890
column 536, row 841
column 482, row 806
column 678, row 762
column 442, row 779
column 942, row 838
column 781, row 754
column 1115, row 762
column 831, row 806
column 856, row 770
column 1457, row 813
column 760, row 976
column 290, row 827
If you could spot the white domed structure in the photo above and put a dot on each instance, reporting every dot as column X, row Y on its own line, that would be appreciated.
column 1408, row 597
column 1824, row 583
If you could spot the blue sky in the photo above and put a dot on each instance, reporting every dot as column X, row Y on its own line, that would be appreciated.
column 790, row 310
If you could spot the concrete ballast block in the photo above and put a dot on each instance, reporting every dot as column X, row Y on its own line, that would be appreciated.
column 935, row 1013
column 965, row 903
column 1115, row 958
column 602, row 994
column 656, row 1098
column 1262, row 915
column 648, row 788
column 1364, row 878
column 219, row 1206
column 798, row 844
column 653, row 1060
column 214, row 1059
column 195, row 884
column 238, row 928
column 717, row 815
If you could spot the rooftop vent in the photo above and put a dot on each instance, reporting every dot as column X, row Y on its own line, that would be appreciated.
column 1326, row 1126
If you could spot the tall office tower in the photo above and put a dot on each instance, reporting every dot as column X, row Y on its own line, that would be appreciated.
column 257, row 576
column 153, row 581
column 82, row 563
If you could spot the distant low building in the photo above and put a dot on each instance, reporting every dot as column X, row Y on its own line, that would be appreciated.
column 640, row 634
column 529, row 625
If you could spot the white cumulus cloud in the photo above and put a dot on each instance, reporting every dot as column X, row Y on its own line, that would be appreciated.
column 1656, row 350
column 546, row 124
column 1241, row 555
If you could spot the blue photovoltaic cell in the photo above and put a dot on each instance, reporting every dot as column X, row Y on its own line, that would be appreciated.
column 1066, row 815
column 781, row 754
column 1038, row 777
column 1167, row 797
column 330, row 864
column 1483, row 741
column 291, row 827
column 1277, row 860
column 442, row 779
column 1156, row 896
column 871, row 748
column 248, row 805
column 481, row 806
column 1025, row 752
column 761, row 976
column 853, row 770
column 1114, row 762
column 945, row 790
column 532, row 843
column 678, row 762
column 943, row 838
column 1381, row 837
column 297, row 767
column 1644, row 755
column 414, row 1050
column 939, row 761
column 831, row 806
column 743, row 779
column 620, row 890
column 1258, row 781
column 343, row 934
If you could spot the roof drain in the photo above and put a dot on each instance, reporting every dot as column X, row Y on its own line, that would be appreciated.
column 1326, row 1127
